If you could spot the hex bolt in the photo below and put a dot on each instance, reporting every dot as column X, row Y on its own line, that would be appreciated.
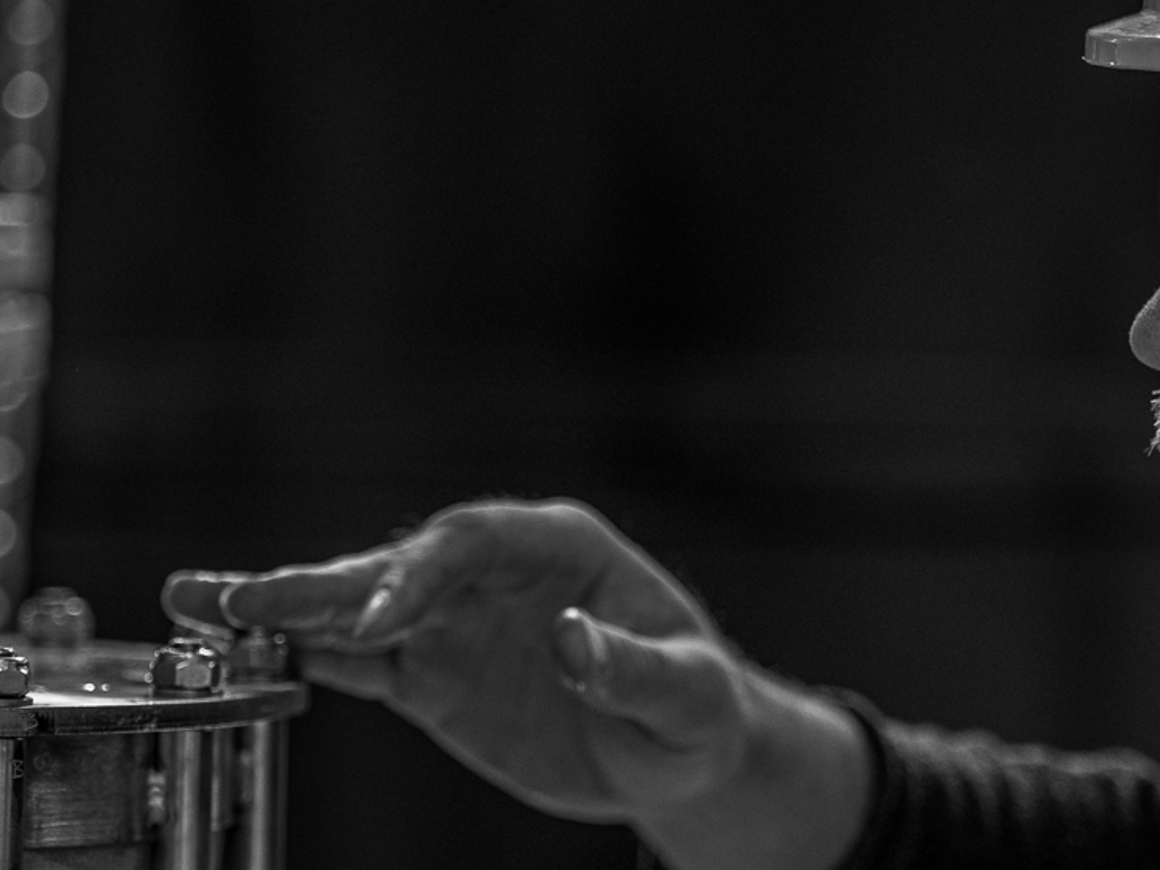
column 185, row 666
column 56, row 616
column 15, row 675
column 259, row 657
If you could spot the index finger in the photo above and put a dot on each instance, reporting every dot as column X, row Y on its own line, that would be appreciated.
column 325, row 598
column 191, row 599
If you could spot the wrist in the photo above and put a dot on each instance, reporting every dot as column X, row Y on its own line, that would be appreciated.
column 793, row 790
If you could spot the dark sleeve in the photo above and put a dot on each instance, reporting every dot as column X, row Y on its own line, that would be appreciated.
column 964, row 800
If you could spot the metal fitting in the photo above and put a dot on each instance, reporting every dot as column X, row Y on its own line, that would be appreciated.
column 258, row 657
column 15, row 675
column 56, row 616
column 185, row 666
column 220, row 641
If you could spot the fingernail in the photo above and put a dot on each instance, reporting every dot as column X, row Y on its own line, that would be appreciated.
column 230, row 603
column 167, row 590
column 372, row 612
column 243, row 602
column 581, row 650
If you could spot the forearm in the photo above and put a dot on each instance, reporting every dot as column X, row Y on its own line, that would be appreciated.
column 797, row 799
column 968, row 800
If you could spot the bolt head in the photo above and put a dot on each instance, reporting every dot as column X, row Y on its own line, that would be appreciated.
column 185, row 666
column 15, row 675
column 259, row 657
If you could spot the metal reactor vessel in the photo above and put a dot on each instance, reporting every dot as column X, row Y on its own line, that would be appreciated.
column 1132, row 42
column 135, row 757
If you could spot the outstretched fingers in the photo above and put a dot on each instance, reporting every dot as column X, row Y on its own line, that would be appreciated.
column 316, row 605
column 192, row 599
column 349, row 604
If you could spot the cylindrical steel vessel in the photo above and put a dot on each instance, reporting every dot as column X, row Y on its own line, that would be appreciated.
column 100, row 769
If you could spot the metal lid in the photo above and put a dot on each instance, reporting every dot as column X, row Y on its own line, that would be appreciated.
column 100, row 688
column 1132, row 42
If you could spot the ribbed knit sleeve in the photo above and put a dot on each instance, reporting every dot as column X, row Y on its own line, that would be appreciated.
column 959, row 800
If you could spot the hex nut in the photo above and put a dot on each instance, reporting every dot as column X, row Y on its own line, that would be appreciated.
column 185, row 665
column 15, row 675
column 56, row 616
column 259, row 657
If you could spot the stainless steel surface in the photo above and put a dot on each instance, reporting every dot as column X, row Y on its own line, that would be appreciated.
column 87, row 790
column 1131, row 42
column 261, row 827
column 187, row 763
column 101, row 771
column 11, row 802
column 223, row 795
column 99, row 712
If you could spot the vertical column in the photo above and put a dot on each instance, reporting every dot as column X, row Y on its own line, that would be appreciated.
column 187, row 763
column 11, row 802
column 31, row 75
column 261, row 658
column 262, row 825
column 187, row 668
column 224, row 793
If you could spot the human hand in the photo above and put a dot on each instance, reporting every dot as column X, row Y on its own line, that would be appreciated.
column 532, row 640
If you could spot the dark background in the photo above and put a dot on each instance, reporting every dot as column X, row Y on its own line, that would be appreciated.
column 825, row 305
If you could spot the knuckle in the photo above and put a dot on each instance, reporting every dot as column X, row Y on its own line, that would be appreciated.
column 569, row 512
column 474, row 525
column 499, row 516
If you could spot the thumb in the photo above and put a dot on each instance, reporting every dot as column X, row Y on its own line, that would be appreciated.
column 675, row 688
